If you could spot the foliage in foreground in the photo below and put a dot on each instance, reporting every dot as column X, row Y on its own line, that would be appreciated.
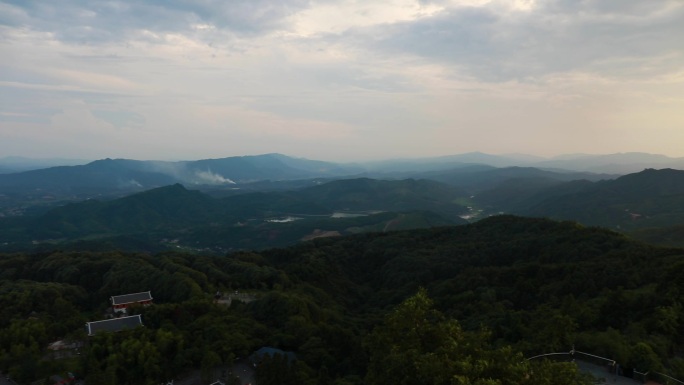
column 535, row 285
column 419, row 345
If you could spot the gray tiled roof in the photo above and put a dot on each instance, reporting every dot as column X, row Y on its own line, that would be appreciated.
column 131, row 298
column 114, row 325
column 269, row 351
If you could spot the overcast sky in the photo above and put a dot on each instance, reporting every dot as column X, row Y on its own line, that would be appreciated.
column 340, row 80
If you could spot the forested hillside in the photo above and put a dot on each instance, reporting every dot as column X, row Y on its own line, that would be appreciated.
column 533, row 285
column 173, row 217
column 647, row 205
column 643, row 200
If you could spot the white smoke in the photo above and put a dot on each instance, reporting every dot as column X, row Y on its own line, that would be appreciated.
column 127, row 184
column 208, row 177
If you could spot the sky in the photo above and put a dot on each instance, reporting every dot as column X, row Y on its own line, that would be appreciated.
column 340, row 80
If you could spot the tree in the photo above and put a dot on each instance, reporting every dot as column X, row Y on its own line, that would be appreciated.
column 552, row 330
column 209, row 363
column 279, row 369
column 418, row 345
column 644, row 358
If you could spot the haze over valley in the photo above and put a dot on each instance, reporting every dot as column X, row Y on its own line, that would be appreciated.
column 270, row 200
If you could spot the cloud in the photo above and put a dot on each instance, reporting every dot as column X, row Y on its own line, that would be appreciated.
column 180, row 79
column 497, row 43
column 98, row 21
column 495, row 40
column 338, row 16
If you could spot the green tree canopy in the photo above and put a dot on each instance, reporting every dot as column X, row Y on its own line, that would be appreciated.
column 417, row 344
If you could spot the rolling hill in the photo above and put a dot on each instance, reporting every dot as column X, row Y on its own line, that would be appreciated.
column 173, row 216
column 476, row 179
column 651, row 198
column 372, row 194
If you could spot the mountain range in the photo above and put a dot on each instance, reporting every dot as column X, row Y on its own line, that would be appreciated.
column 130, row 175
column 651, row 199
column 270, row 200
column 619, row 163
column 11, row 164
column 119, row 177
column 17, row 173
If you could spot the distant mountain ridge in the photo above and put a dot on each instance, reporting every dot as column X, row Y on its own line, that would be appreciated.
column 125, row 175
column 481, row 178
column 275, row 216
column 618, row 163
column 109, row 176
column 621, row 163
column 499, row 183
column 12, row 164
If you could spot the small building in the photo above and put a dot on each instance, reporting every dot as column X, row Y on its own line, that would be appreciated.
column 114, row 324
column 122, row 302
column 270, row 352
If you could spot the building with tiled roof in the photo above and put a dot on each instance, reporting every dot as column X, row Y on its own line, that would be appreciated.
column 122, row 302
column 114, row 324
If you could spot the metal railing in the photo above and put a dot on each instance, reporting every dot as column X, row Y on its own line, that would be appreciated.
column 662, row 378
column 665, row 379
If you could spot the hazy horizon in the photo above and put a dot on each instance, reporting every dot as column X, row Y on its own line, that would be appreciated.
column 523, row 158
column 340, row 81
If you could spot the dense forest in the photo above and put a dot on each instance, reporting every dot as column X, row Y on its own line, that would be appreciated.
column 483, row 297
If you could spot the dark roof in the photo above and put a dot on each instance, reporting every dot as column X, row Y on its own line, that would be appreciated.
column 114, row 325
column 260, row 354
column 131, row 298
